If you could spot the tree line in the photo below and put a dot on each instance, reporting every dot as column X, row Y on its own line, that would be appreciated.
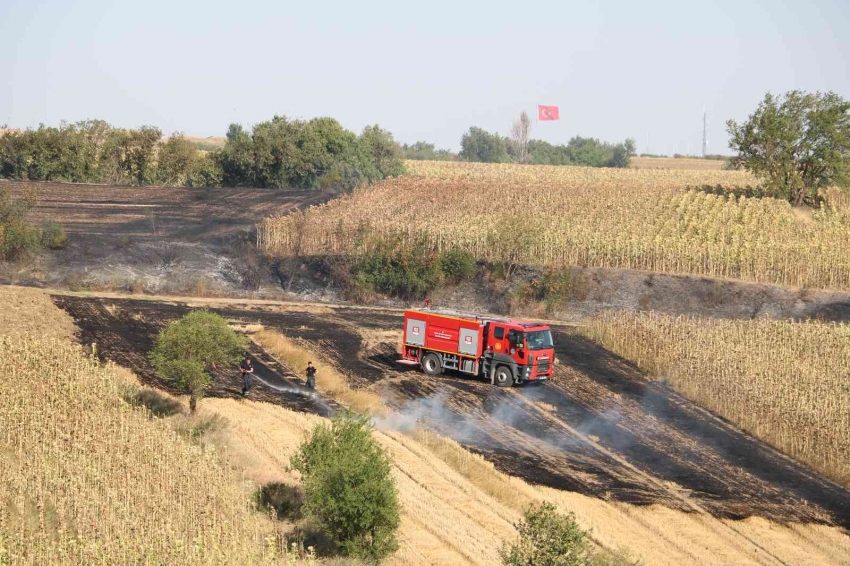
column 277, row 153
column 479, row 145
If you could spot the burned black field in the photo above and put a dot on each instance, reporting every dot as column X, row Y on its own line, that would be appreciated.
column 599, row 427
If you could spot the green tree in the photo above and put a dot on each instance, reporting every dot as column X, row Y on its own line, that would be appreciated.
column 396, row 267
column 237, row 158
column 424, row 151
column 589, row 152
column 548, row 538
column 188, row 348
column 348, row 487
column 176, row 160
column 482, row 146
column 139, row 159
column 457, row 265
column 619, row 156
column 544, row 153
column 206, row 171
column 17, row 235
column 797, row 144
column 384, row 151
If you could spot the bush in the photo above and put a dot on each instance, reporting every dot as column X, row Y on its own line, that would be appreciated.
column 282, row 500
column 457, row 265
column 548, row 538
column 17, row 236
column 53, row 236
column 348, row 488
column 409, row 271
column 189, row 347
column 555, row 287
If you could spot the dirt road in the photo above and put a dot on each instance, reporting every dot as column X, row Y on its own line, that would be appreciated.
column 599, row 427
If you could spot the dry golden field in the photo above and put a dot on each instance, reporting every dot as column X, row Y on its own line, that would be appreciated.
column 620, row 218
column 689, row 163
column 89, row 479
column 786, row 383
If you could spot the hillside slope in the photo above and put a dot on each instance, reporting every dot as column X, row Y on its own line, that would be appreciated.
column 447, row 518
column 456, row 507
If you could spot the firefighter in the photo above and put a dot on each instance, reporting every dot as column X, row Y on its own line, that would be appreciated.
column 311, row 376
column 247, row 370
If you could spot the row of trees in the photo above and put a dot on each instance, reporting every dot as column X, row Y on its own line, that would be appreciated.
column 480, row 145
column 276, row 153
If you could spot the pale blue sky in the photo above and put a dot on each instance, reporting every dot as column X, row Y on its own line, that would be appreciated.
column 425, row 70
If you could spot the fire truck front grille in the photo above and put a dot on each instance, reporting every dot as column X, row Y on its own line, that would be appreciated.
column 543, row 366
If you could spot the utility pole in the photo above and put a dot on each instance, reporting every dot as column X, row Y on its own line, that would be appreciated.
column 704, row 134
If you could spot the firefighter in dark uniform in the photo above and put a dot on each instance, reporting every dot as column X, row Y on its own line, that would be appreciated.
column 247, row 371
column 311, row 376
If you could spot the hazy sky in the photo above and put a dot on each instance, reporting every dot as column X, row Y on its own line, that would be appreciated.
column 424, row 70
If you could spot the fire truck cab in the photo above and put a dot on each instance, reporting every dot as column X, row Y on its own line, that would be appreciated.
column 505, row 351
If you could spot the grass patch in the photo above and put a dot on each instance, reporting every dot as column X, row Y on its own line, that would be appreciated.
column 330, row 382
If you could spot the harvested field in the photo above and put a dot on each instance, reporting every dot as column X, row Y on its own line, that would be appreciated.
column 685, row 163
column 600, row 428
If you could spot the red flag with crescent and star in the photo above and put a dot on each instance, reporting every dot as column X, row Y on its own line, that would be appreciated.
column 547, row 113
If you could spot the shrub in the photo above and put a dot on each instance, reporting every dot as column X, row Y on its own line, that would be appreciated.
column 548, row 538
column 409, row 271
column 457, row 265
column 284, row 501
column 187, row 348
column 53, row 236
column 348, row 488
column 17, row 235
column 554, row 288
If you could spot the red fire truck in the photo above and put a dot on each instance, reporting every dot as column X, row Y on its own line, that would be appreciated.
column 502, row 350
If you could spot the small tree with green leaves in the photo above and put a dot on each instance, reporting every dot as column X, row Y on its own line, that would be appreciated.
column 797, row 143
column 348, row 488
column 18, row 236
column 548, row 538
column 187, row 349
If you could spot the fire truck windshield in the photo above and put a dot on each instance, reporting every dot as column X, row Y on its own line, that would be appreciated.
column 539, row 339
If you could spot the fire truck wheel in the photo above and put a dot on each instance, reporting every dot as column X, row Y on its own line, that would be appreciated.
column 432, row 364
column 504, row 377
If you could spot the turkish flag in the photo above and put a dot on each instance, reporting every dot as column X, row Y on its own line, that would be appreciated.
column 545, row 113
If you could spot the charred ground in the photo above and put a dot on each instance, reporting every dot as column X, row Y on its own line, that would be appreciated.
column 163, row 239
column 599, row 427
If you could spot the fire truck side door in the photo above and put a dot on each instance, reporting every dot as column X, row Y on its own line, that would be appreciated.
column 497, row 338
column 516, row 345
